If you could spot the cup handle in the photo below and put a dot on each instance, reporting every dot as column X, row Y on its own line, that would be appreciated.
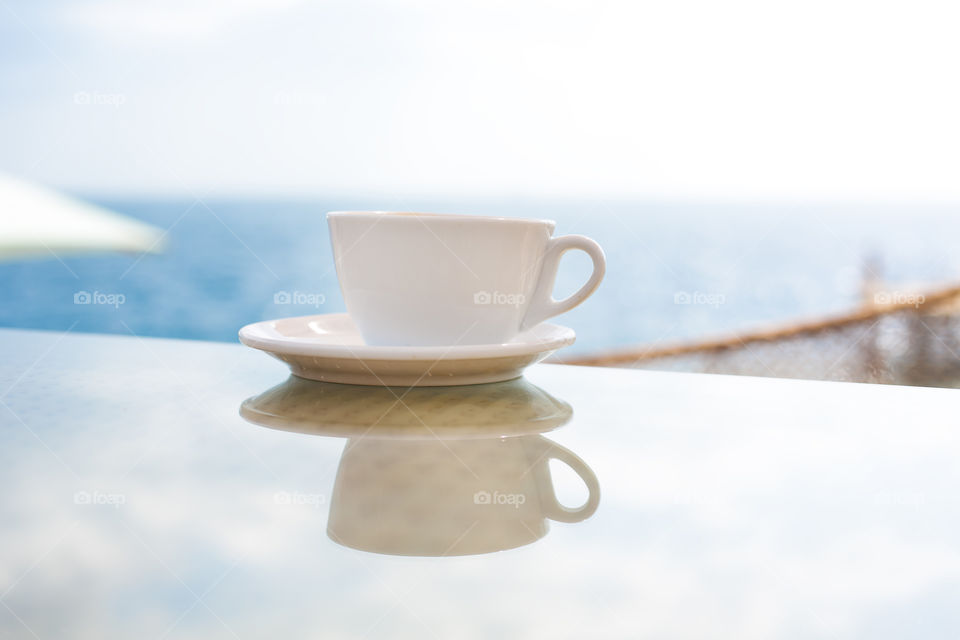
column 551, row 505
column 542, row 304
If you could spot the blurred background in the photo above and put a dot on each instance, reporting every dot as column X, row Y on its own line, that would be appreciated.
column 774, row 183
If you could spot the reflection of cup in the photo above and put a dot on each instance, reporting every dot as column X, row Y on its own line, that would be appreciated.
column 456, row 497
column 420, row 279
column 434, row 470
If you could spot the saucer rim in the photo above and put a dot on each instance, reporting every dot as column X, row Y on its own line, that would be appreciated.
column 252, row 335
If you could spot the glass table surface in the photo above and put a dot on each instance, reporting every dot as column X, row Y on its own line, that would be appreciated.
column 175, row 489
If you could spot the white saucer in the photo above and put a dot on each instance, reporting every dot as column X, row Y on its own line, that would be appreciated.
column 328, row 347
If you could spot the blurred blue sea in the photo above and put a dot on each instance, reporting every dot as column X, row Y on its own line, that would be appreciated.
column 674, row 271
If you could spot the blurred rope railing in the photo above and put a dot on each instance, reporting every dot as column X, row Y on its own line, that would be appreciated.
column 909, row 338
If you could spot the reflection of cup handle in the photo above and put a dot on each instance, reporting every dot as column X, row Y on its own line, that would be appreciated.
column 555, row 510
column 542, row 304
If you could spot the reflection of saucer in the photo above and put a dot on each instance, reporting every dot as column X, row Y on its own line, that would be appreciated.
column 515, row 407
column 328, row 347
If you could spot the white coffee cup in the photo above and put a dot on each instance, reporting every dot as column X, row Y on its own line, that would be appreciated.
column 420, row 279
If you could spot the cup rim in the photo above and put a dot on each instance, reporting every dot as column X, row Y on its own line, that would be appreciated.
column 445, row 216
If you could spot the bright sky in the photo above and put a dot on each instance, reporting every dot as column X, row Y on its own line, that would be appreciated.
column 678, row 99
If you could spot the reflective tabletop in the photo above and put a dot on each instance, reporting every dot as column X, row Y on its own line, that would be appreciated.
column 175, row 489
